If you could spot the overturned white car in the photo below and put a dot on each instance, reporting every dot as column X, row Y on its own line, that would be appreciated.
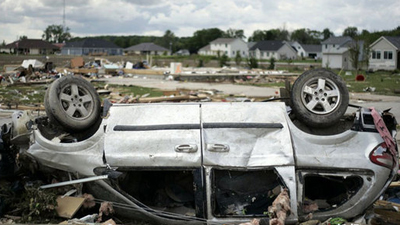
column 217, row 162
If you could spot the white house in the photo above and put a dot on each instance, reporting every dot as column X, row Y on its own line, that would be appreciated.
column 307, row 51
column 335, row 52
column 279, row 50
column 206, row 50
column 312, row 51
column 228, row 46
column 385, row 53
column 299, row 48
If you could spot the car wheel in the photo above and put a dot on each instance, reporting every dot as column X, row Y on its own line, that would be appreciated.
column 73, row 103
column 319, row 98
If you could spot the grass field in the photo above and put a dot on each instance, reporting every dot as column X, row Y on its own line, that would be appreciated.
column 34, row 94
column 384, row 83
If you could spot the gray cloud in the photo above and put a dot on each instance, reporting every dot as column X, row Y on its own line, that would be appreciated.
column 183, row 17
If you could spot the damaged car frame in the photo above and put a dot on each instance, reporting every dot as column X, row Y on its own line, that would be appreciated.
column 197, row 163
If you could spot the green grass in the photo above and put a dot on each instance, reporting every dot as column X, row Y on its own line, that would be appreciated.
column 22, row 95
column 34, row 94
column 384, row 82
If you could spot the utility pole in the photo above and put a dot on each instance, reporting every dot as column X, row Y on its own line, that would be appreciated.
column 64, row 18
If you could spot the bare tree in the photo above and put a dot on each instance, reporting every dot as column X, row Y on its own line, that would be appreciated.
column 355, row 52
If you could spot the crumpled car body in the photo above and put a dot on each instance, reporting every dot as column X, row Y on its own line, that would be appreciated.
column 193, row 163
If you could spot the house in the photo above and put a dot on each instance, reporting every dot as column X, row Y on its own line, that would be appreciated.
column 312, row 51
column 385, row 53
column 91, row 46
column 30, row 47
column 226, row 46
column 307, row 51
column 299, row 48
column 206, row 50
column 336, row 54
column 147, row 49
column 280, row 50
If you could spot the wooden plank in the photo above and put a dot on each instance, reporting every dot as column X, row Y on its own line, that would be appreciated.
column 387, row 204
column 395, row 184
column 143, row 71
column 68, row 206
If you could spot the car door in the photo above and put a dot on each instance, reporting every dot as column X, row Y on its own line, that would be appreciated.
column 153, row 135
column 246, row 135
column 247, row 148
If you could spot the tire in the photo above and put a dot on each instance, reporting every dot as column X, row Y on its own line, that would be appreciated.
column 73, row 103
column 319, row 98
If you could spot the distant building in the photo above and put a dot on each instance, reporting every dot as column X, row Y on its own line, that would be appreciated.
column 91, row 46
column 206, row 50
column 280, row 50
column 30, row 47
column 312, row 51
column 385, row 53
column 230, row 47
column 335, row 52
column 307, row 51
column 147, row 49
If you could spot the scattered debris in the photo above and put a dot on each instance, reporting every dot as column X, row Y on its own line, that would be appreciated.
column 77, row 62
column 360, row 77
column 369, row 89
column 106, row 209
column 67, row 206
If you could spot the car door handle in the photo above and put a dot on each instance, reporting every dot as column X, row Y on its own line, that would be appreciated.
column 218, row 148
column 187, row 148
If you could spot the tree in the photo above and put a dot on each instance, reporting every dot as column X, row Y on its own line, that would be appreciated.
column 354, row 51
column 300, row 35
column 203, row 37
column 277, row 34
column 273, row 34
column 223, row 60
column 258, row 35
column 4, row 43
column 351, row 32
column 238, row 58
column 252, row 63
column 233, row 33
column 23, row 37
column 367, row 53
column 327, row 34
column 167, row 40
column 306, row 36
column 271, row 64
column 56, row 34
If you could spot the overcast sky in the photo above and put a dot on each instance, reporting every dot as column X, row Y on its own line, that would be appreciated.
column 184, row 17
